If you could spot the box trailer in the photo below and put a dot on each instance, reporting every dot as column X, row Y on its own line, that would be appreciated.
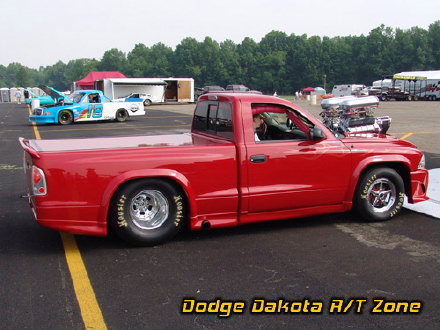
column 160, row 90
column 179, row 90
column 117, row 88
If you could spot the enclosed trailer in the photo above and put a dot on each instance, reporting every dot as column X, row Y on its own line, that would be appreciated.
column 179, row 90
column 116, row 88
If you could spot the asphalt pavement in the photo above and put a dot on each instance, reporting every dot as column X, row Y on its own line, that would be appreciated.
column 283, row 271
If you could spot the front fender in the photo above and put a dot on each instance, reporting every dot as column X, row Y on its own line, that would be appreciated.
column 391, row 161
column 122, row 178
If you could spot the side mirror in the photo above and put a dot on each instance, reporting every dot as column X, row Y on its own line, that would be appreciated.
column 317, row 133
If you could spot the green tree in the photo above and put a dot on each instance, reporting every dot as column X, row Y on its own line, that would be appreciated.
column 113, row 60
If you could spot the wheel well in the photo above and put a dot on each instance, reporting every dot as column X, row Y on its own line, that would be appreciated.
column 69, row 110
column 176, row 184
column 400, row 168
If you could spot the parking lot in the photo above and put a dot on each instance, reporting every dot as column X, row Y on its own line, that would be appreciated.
column 319, row 259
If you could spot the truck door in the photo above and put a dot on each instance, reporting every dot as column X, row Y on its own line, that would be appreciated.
column 293, row 171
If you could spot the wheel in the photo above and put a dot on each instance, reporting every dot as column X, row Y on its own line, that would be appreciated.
column 147, row 212
column 147, row 102
column 384, row 97
column 121, row 115
column 409, row 98
column 380, row 194
column 65, row 117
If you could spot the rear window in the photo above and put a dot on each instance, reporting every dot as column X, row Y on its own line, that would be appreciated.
column 215, row 118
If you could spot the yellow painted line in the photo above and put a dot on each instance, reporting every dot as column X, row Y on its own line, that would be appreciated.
column 90, row 311
column 34, row 125
column 406, row 136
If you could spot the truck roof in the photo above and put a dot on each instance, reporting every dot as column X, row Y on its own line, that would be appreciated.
column 250, row 97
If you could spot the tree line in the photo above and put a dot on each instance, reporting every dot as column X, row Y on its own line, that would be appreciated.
column 279, row 62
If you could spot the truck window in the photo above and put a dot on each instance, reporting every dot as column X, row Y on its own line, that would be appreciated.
column 281, row 123
column 214, row 118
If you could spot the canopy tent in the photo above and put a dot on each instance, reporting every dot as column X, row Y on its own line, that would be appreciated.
column 88, row 82
column 308, row 90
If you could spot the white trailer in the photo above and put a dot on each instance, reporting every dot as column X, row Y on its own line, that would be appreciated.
column 117, row 88
column 159, row 89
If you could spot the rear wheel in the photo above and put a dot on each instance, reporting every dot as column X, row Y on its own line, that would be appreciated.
column 147, row 102
column 121, row 115
column 147, row 212
column 65, row 117
column 380, row 194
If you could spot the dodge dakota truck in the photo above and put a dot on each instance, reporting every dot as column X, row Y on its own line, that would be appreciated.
column 223, row 173
column 85, row 105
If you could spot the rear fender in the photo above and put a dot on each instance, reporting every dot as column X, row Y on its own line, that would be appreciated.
column 125, row 177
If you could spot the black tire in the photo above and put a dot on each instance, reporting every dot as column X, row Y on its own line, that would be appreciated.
column 384, row 97
column 121, row 115
column 380, row 194
column 147, row 212
column 65, row 117
column 147, row 102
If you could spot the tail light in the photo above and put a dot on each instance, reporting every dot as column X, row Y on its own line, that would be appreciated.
column 39, row 186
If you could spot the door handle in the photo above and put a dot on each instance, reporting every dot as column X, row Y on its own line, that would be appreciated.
column 258, row 159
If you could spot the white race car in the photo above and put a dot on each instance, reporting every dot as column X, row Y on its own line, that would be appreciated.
column 147, row 99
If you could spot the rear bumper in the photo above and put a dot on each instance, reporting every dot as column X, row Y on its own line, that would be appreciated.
column 72, row 219
column 419, row 186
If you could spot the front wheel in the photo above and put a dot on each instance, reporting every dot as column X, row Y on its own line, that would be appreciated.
column 380, row 194
column 65, row 117
column 147, row 212
column 147, row 102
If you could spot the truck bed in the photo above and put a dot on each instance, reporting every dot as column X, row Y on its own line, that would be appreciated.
column 144, row 141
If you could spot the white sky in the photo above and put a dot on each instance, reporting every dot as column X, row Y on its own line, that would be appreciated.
column 41, row 32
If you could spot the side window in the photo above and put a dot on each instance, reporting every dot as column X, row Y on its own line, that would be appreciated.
column 200, row 119
column 224, row 121
column 214, row 118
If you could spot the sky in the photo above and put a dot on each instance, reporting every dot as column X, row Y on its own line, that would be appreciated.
column 43, row 32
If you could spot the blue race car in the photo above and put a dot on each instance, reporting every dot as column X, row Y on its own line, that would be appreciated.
column 52, row 96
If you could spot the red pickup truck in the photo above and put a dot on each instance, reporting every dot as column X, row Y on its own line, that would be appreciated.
column 224, row 173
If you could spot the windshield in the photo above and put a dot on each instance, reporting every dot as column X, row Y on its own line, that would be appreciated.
column 76, row 97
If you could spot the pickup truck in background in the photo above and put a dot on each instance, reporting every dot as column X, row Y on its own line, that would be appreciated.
column 146, row 188
column 85, row 105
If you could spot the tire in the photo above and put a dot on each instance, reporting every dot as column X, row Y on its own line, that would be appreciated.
column 380, row 194
column 147, row 102
column 147, row 212
column 384, row 97
column 121, row 115
column 65, row 117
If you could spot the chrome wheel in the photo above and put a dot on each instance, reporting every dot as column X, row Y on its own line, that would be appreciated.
column 382, row 195
column 149, row 209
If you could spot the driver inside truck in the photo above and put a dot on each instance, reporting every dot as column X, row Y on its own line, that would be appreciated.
column 93, row 98
column 260, row 127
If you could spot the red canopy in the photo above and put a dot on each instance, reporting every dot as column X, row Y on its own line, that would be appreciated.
column 88, row 82
column 309, row 89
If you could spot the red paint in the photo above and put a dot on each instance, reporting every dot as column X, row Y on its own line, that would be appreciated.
column 300, row 177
